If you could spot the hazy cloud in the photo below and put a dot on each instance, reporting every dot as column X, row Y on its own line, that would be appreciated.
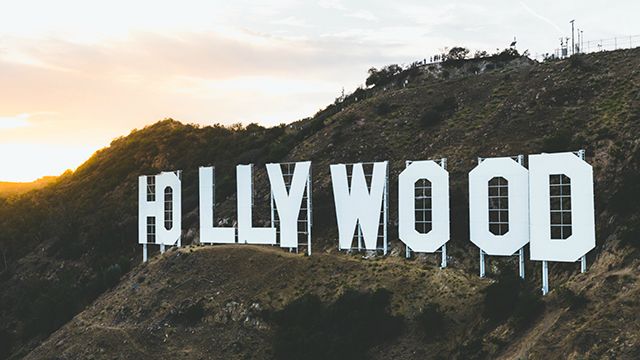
column 75, row 74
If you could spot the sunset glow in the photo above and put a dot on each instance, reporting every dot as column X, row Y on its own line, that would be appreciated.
column 75, row 74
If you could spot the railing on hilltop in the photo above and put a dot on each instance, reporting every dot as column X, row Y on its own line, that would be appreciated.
column 591, row 46
column 624, row 42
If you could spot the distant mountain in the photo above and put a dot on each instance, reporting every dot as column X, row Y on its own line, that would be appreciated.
column 70, row 243
column 8, row 188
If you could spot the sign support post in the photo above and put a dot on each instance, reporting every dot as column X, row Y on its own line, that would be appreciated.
column 545, row 277
column 443, row 263
column 521, row 262
column 583, row 259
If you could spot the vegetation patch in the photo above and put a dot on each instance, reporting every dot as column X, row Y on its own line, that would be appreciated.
column 188, row 313
column 557, row 141
column 630, row 235
column 570, row 298
column 308, row 329
column 431, row 322
column 440, row 111
column 509, row 297
column 578, row 61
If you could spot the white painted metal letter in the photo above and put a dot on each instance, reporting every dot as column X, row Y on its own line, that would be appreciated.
column 355, row 204
column 514, row 195
column 209, row 234
column 439, row 180
column 246, row 232
column 288, row 204
column 561, row 207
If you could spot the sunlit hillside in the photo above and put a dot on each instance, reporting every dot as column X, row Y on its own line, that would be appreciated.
column 16, row 188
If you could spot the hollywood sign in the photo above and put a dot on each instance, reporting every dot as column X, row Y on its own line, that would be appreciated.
column 549, row 205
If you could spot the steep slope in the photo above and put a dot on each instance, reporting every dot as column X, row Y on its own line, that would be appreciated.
column 217, row 302
column 67, row 243
column 239, row 302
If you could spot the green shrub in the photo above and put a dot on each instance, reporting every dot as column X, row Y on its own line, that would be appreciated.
column 430, row 118
column 569, row 298
column 6, row 343
column 501, row 297
column 558, row 140
column 506, row 55
column 509, row 298
column 346, row 329
column 441, row 110
column 53, row 305
column 383, row 108
column 112, row 275
column 578, row 61
column 528, row 307
column 630, row 235
column 629, row 189
column 447, row 105
column 383, row 76
column 188, row 313
column 431, row 322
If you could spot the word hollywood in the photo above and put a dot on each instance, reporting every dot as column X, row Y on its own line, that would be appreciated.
column 550, row 205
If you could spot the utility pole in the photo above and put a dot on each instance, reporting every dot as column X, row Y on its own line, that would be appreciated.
column 582, row 40
column 573, row 46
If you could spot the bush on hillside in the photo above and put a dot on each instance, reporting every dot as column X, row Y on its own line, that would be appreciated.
column 383, row 76
column 430, row 118
column 308, row 329
column 501, row 298
column 431, row 322
column 506, row 55
column 629, row 188
column 6, row 343
column 457, row 53
column 528, row 308
column 508, row 297
column 559, row 140
column 443, row 109
column 383, row 108
column 578, row 61
column 630, row 235
column 570, row 298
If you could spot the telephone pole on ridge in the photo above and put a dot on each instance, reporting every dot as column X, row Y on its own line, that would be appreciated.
column 573, row 46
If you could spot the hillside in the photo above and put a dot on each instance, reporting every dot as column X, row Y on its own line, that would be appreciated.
column 68, row 243
column 239, row 302
column 9, row 188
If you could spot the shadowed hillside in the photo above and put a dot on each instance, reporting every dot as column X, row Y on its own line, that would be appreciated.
column 66, row 244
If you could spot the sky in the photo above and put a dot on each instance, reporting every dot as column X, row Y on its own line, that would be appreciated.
column 74, row 74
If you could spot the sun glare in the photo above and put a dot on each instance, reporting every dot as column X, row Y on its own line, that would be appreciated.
column 12, row 122
column 22, row 162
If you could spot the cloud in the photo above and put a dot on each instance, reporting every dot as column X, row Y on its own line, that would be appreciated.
column 540, row 17
column 101, row 70
column 332, row 4
column 100, row 91
column 291, row 21
column 364, row 15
